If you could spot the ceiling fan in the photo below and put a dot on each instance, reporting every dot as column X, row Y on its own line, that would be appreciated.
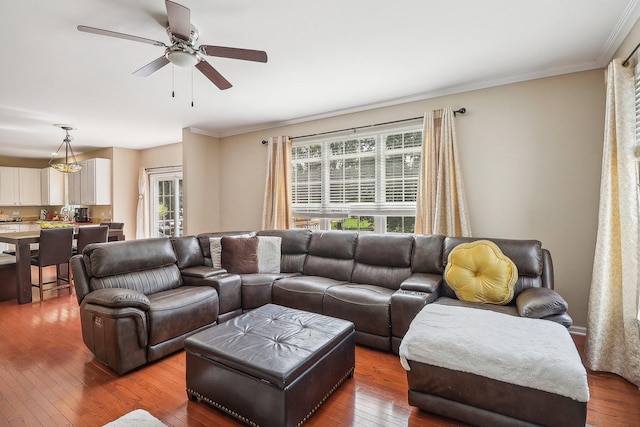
column 182, row 50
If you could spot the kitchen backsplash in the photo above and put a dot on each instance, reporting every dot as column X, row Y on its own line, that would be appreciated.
column 32, row 213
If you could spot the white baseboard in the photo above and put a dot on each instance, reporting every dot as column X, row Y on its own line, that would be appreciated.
column 578, row 330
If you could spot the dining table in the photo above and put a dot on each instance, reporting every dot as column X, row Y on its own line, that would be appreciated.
column 22, row 241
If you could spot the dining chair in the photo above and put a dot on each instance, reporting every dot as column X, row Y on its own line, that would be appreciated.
column 91, row 234
column 114, row 225
column 55, row 249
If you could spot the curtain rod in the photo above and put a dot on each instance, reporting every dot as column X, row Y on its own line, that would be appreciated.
column 163, row 167
column 456, row 112
column 626, row 61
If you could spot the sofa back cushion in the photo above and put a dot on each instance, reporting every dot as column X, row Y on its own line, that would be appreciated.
column 331, row 254
column 382, row 260
column 525, row 254
column 146, row 265
column 427, row 254
column 188, row 252
column 146, row 281
column 294, row 248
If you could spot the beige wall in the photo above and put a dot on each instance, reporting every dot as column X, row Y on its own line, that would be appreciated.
column 125, row 166
column 201, row 182
column 23, row 162
column 165, row 155
column 530, row 153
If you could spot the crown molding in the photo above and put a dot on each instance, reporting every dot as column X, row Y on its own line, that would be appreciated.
column 620, row 31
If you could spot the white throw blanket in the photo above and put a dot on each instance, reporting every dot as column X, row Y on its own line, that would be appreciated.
column 533, row 353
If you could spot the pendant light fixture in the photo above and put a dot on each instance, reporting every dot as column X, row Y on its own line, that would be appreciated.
column 70, row 163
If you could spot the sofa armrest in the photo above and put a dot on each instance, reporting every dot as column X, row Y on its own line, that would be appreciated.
column 538, row 303
column 92, row 313
column 118, row 298
column 564, row 319
column 201, row 272
column 422, row 282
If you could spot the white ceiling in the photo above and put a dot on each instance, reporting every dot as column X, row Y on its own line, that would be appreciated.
column 325, row 57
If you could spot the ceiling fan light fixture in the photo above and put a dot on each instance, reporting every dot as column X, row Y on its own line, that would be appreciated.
column 70, row 163
column 182, row 58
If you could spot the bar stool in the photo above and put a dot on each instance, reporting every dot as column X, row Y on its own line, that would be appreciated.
column 87, row 235
column 55, row 249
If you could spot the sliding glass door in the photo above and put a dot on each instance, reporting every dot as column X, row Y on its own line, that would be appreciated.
column 166, row 204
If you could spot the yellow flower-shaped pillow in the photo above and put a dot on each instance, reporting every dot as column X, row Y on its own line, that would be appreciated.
column 479, row 272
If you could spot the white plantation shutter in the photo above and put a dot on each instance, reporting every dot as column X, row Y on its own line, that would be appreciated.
column 369, row 174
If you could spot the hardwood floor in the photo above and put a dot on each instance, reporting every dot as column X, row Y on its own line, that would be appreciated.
column 49, row 378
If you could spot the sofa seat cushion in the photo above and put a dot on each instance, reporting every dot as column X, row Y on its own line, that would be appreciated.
column 178, row 311
column 256, row 288
column 302, row 292
column 367, row 306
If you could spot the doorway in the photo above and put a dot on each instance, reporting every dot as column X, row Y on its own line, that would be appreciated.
column 166, row 203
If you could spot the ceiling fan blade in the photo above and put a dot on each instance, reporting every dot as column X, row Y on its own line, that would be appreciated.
column 235, row 53
column 179, row 20
column 151, row 67
column 102, row 32
column 213, row 75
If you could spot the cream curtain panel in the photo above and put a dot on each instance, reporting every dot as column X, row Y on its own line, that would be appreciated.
column 277, row 213
column 441, row 206
column 142, row 230
column 613, row 336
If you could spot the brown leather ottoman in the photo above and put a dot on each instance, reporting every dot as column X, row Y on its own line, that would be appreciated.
column 272, row 366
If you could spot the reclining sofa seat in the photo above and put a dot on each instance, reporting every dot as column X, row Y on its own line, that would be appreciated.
column 382, row 263
column 134, row 307
column 329, row 262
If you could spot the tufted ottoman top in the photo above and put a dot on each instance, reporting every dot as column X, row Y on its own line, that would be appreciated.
column 273, row 343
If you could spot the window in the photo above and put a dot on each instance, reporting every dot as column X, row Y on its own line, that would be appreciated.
column 166, row 203
column 366, row 183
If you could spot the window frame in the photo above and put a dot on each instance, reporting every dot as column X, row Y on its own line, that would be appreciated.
column 319, row 210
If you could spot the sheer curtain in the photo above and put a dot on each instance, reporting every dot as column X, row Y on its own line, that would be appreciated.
column 613, row 340
column 441, row 206
column 141, row 213
column 277, row 213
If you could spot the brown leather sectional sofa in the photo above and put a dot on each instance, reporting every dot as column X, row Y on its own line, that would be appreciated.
column 140, row 299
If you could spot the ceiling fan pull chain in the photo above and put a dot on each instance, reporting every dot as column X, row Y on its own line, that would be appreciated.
column 192, row 87
column 173, row 81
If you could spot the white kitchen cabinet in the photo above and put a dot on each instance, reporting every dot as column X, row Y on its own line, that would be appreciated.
column 52, row 187
column 29, row 187
column 19, row 186
column 8, row 186
column 73, row 187
column 8, row 228
column 92, row 185
column 95, row 182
